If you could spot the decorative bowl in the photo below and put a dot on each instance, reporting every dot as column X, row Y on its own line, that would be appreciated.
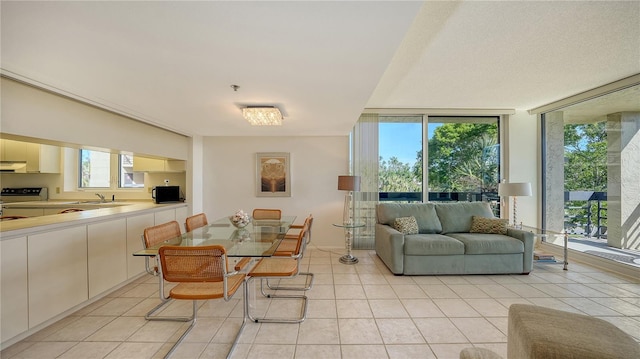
column 240, row 219
column 238, row 224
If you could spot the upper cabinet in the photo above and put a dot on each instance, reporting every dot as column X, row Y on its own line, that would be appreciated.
column 38, row 158
column 144, row 164
column 43, row 158
column 14, row 151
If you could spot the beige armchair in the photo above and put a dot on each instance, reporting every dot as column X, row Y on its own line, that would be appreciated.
column 542, row 333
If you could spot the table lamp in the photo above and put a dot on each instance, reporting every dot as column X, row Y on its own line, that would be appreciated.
column 350, row 184
column 514, row 190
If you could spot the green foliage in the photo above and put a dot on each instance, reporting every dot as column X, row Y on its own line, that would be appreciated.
column 462, row 157
column 396, row 176
column 585, row 168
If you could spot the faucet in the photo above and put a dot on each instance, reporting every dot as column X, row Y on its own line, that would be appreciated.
column 101, row 197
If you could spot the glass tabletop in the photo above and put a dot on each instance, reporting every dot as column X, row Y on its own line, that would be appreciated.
column 258, row 239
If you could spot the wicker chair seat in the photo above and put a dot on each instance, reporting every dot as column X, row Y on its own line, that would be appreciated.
column 206, row 290
column 275, row 267
column 287, row 247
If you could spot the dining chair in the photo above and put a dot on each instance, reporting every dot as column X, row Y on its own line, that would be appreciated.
column 288, row 246
column 155, row 235
column 195, row 221
column 262, row 213
column 71, row 210
column 278, row 268
column 201, row 273
column 150, row 237
column 288, row 243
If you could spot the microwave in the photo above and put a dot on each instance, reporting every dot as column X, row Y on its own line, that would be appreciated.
column 165, row 194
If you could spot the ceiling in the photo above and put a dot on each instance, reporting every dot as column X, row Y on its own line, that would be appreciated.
column 172, row 63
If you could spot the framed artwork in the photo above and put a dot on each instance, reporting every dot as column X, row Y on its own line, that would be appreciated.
column 273, row 174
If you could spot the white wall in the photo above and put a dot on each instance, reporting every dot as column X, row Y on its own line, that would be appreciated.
column 229, row 174
column 31, row 112
column 37, row 114
column 522, row 163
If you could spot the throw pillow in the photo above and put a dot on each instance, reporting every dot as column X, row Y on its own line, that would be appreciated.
column 406, row 225
column 488, row 225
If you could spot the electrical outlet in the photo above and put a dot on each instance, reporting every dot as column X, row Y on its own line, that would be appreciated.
column 57, row 189
column 149, row 189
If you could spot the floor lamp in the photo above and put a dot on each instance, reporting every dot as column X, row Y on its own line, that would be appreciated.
column 514, row 190
column 350, row 184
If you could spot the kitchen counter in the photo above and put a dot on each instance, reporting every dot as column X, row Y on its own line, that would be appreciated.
column 56, row 264
column 65, row 204
column 94, row 212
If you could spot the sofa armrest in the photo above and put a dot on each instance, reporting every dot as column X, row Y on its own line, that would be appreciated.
column 527, row 238
column 389, row 244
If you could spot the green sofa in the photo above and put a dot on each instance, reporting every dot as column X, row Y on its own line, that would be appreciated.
column 444, row 244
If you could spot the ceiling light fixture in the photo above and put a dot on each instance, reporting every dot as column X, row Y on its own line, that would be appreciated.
column 262, row 115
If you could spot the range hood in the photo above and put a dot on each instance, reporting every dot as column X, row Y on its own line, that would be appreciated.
column 13, row 167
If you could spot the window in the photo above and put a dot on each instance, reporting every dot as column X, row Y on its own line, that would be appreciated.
column 593, row 195
column 96, row 168
column 463, row 158
column 400, row 164
column 129, row 178
column 462, row 162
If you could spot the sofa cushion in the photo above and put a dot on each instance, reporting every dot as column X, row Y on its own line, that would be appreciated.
column 480, row 243
column 456, row 217
column 431, row 245
column 406, row 225
column 425, row 215
column 488, row 225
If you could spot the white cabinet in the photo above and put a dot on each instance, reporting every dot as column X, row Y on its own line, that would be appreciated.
column 107, row 255
column 13, row 288
column 144, row 164
column 39, row 158
column 135, row 229
column 181, row 217
column 174, row 166
column 13, row 150
column 57, row 272
column 165, row 216
column 43, row 158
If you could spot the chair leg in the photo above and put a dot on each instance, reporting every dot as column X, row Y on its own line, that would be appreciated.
column 303, row 309
column 149, row 314
column 164, row 300
column 308, row 283
column 193, row 323
column 244, row 320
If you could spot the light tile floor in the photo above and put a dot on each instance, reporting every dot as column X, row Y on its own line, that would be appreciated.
column 355, row 311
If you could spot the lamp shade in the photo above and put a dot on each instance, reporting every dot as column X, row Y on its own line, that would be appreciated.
column 514, row 189
column 349, row 183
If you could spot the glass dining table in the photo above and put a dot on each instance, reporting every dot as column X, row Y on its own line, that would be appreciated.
column 258, row 239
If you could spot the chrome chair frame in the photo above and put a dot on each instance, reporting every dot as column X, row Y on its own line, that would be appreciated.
column 308, row 283
column 253, row 274
column 193, row 317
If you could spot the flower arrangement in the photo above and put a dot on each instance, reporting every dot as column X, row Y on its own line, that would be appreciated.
column 240, row 219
